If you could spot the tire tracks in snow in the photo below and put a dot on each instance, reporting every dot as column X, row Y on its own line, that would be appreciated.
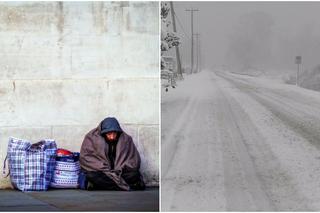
column 301, row 121
column 174, row 163
column 281, row 185
column 242, row 171
column 199, row 176
column 173, row 138
column 244, row 189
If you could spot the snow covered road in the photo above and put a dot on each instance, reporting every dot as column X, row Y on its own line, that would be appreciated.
column 238, row 143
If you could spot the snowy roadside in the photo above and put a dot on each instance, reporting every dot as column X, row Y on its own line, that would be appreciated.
column 251, row 144
column 187, row 183
column 275, row 84
column 297, row 157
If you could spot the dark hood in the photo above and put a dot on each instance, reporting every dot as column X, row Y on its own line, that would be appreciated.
column 110, row 124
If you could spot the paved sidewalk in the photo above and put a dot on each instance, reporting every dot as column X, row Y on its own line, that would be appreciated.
column 80, row 200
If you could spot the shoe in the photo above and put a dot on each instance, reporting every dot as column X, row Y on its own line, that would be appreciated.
column 90, row 186
column 138, row 186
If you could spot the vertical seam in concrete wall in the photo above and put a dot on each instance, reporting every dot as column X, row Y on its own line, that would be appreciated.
column 139, row 135
column 14, row 85
column 71, row 68
column 107, row 84
column 51, row 131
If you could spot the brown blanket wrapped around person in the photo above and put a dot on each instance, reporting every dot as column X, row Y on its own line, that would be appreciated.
column 94, row 155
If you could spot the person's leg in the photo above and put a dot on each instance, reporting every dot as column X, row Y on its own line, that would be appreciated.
column 134, row 179
column 100, row 181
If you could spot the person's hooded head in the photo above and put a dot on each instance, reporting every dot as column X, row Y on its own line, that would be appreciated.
column 110, row 129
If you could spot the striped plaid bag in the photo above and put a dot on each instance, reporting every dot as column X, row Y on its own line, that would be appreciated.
column 66, row 173
column 31, row 165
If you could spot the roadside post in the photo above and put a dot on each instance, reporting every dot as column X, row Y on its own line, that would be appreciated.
column 298, row 62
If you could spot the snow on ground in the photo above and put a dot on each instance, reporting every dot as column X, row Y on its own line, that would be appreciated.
column 239, row 143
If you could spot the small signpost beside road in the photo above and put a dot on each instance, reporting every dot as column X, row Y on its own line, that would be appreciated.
column 298, row 61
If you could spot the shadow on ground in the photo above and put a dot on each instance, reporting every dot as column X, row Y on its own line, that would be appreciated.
column 80, row 200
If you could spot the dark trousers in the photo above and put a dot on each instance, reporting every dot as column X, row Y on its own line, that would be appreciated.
column 100, row 181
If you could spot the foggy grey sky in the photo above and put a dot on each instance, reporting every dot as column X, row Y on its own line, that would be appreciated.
column 292, row 28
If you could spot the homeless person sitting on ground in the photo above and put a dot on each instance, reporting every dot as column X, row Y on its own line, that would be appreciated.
column 109, row 158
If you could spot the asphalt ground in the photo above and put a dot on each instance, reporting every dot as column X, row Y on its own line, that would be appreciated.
column 80, row 200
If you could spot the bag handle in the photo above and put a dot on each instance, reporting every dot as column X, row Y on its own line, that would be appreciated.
column 38, row 146
column 4, row 167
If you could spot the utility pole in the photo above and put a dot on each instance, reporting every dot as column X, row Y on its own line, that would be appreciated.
column 198, row 46
column 192, row 10
column 298, row 61
column 297, row 77
column 177, row 47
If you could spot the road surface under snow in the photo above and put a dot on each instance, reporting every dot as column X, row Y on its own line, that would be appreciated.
column 238, row 143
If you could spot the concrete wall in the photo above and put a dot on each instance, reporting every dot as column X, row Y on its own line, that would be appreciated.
column 65, row 66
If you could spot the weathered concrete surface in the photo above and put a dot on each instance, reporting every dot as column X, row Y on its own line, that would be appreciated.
column 78, row 101
column 148, row 137
column 78, row 39
column 64, row 66
column 79, row 200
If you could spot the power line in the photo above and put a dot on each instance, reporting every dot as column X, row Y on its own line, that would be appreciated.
column 191, row 11
column 177, row 47
column 184, row 32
